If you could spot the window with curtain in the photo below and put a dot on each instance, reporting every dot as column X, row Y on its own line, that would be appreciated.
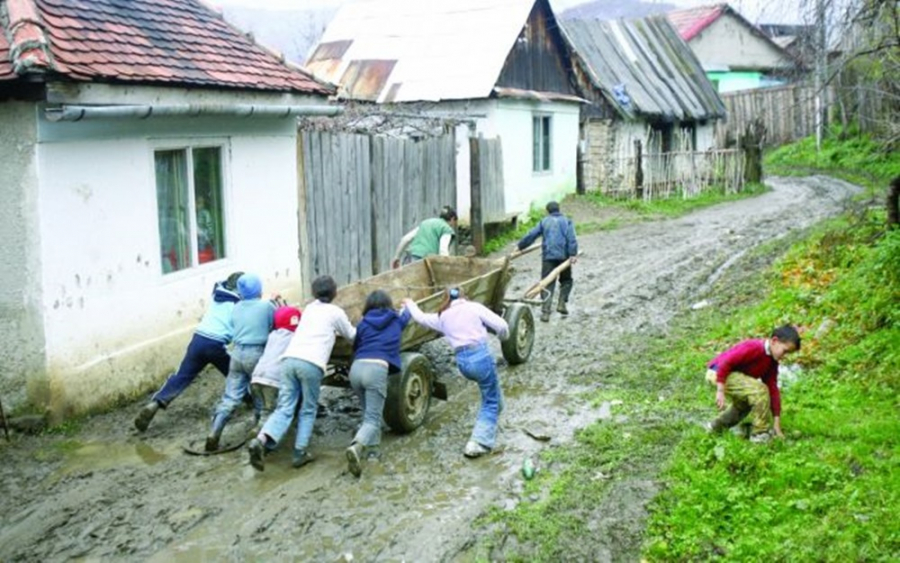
column 189, row 205
column 541, row 145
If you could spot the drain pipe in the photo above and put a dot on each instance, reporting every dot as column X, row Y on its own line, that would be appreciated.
column 78, row 113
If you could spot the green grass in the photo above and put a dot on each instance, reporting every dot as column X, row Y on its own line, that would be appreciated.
column 829, row 492
column 677, row 206
column 858, row 158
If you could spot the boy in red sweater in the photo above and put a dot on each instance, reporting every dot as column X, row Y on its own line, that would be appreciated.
column 747, row 375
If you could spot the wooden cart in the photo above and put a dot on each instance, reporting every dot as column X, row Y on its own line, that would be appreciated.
column 410, row 391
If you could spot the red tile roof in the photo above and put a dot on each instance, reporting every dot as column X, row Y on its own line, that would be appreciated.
column 175, row 42
column 6, row 70
column 688, row 23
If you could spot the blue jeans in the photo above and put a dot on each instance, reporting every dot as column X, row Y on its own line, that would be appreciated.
column 369, row 380
column 477, row 364
column 200, row 352
column 300, row 380
column 237, row 385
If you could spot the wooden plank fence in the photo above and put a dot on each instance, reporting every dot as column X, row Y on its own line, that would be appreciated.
column 787, row 112
column 360, row 193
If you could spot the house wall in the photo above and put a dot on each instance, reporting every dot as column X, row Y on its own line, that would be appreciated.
column 728, row 43
column 610, row 143
column 115, row 325
column 21, row 331
column 736, row 81
column 511, row 120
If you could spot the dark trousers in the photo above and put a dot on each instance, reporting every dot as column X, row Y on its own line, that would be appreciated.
column 200, row 352
column 565, row 282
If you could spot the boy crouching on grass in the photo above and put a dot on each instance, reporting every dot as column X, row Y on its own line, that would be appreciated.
column 747, row 375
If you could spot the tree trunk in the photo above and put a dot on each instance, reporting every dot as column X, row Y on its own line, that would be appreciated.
column 893, row 200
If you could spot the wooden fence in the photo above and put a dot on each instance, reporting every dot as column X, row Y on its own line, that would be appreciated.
column 787, row 112
column 360, row 193
column 681, row 174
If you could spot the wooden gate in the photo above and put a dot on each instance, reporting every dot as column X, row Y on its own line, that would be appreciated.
column 360, row 193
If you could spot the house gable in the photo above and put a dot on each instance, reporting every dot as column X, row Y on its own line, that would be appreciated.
column 538, row 60
column 729, row 43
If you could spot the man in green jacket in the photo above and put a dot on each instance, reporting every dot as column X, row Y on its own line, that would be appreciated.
column 432, row 236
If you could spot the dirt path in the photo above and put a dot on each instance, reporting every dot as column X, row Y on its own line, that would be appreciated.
column 105, row 492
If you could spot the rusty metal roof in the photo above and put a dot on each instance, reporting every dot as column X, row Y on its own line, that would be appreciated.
column 419, row 50
column 175, row 42
column 643, row 68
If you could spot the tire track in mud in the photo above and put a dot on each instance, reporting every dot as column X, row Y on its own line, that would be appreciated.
column 106, row 492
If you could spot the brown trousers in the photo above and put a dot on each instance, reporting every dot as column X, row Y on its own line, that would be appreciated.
column 747, row 395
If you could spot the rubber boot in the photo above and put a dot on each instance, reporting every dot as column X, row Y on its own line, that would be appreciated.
column 564, row 290
column 142, row 420
column 545, row 307
column 212, row 440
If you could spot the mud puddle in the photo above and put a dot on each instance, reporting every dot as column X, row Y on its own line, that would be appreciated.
column 107, row 493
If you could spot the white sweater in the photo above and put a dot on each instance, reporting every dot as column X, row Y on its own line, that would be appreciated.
column 316, row 333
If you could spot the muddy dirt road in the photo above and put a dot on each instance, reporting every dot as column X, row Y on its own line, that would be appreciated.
column 104, row 492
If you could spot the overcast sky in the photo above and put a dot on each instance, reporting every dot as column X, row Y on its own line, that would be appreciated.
column 757, row 11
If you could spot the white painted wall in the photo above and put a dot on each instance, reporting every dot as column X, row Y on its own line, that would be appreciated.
column 115, row 324
column 511, row 120
column 728, row 43
column 21, row 330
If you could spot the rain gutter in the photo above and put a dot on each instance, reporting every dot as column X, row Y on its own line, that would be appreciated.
column 78, row 113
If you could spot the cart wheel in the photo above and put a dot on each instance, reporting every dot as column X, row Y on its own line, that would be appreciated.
column 408, row 394
column 517, row 348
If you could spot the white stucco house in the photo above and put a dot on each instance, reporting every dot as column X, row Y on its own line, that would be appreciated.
column 735, row 54
column 497, row 67
column 147, row 152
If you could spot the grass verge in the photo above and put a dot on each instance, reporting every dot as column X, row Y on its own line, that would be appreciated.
column 830, row 492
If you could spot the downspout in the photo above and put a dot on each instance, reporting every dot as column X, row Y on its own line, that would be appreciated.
column 78, row 113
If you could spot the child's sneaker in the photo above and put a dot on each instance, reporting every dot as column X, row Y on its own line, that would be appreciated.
column 301, row 458
column 257, row 453
column 474, row 449
column 761, row 438
column 353, row 461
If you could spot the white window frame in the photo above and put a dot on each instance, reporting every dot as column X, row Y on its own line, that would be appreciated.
column 537, row 143
column 188, row 144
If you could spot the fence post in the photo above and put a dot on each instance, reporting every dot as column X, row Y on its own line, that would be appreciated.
column 476, row 206
column 752, row 146
column 579, row 168
column 638, row 171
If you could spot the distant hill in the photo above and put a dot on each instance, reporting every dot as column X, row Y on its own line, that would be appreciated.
column 606, row 10
column 290, row 32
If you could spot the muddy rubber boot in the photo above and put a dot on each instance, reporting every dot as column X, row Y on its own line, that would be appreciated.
column 257, row 452
column 212, row 440
column 142, row 420
column 354, row 452
column 564, row 291
column 545, row 310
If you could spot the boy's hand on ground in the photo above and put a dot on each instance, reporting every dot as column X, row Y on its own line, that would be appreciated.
column 720, row 399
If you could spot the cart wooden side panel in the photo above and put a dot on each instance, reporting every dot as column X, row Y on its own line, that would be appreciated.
column 424, row 281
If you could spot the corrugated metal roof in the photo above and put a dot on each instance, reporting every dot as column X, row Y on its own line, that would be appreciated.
column 443, row 49
column 643, row 68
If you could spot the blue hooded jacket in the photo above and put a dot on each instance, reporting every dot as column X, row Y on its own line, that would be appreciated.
column 378, row 336
column 557, row 237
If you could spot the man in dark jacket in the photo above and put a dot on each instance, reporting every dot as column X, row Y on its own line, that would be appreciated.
column 558, row 244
